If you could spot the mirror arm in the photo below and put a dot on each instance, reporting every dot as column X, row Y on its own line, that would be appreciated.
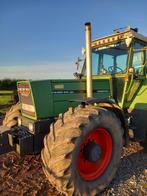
column 77, row 75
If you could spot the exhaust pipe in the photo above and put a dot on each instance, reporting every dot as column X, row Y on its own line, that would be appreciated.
column 88, row 60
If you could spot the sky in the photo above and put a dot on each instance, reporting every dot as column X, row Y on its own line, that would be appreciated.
column 41, row 39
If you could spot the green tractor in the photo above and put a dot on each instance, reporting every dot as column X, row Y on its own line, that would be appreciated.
column 81, row 125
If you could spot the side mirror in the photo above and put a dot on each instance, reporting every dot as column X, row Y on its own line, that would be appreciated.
column 77, row 75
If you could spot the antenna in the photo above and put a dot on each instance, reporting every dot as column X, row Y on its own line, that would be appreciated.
column 118, row 30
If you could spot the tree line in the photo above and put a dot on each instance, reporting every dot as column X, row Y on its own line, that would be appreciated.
column 8, row 84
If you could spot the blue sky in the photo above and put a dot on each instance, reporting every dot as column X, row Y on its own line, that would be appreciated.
column 42, row 38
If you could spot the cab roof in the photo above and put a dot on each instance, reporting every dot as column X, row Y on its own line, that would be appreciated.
column 118, row 36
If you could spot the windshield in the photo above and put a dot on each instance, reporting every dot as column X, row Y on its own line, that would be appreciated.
column 109, row 59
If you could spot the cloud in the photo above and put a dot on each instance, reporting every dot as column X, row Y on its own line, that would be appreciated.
column 50, row 71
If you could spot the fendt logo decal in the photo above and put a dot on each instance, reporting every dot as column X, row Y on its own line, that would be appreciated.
column 24, row 91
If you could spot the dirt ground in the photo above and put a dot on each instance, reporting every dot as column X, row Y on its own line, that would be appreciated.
column 24, row 176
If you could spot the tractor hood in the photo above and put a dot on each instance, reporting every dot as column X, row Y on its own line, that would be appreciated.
column 48, row 98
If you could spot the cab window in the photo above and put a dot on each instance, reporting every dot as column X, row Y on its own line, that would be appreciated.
column 138, row 58
column 111, row 59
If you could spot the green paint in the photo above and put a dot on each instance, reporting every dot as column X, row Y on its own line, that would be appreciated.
column 51, row 97
column 129, row 90
column 140, row 99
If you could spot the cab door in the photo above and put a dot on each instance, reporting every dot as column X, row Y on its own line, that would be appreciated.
column 138, row 75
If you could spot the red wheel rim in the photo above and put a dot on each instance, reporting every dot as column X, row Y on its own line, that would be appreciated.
column 89, row 170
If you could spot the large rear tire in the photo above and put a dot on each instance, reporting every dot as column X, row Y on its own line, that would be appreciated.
column 11, row 116
column 82, row 151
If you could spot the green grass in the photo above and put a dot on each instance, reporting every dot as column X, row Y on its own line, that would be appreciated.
column 5, row 100
column 6, row 92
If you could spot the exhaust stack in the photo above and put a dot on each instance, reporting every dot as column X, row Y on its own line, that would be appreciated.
column 88, row 59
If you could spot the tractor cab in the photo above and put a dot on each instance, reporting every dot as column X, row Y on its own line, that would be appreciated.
column 120, row 59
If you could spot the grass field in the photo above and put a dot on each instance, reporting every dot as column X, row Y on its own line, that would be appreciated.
column 5, row 100
column 6, row 92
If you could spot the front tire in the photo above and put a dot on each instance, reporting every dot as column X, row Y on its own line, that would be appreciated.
column 11, row 116
column 66, row 164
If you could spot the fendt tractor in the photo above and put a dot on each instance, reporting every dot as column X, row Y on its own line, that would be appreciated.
column 81, row 125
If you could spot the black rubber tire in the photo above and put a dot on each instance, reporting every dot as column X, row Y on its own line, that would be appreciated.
column 11, row 116
column 62, row 144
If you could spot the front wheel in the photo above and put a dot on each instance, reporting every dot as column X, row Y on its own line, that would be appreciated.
column 11, row 116
column 83, row 150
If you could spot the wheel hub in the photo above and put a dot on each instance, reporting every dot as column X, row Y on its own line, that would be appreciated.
column 94, row 154
column 92, row 151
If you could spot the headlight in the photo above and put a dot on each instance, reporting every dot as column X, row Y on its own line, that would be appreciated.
column 19, row 121
column 31, row 127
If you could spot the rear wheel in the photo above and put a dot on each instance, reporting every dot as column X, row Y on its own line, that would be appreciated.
column 83, row 150
column 11, row 116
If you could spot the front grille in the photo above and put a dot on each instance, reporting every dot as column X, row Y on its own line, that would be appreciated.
column 25, row 97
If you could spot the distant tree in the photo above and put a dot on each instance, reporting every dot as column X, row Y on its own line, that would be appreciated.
column 8, row 84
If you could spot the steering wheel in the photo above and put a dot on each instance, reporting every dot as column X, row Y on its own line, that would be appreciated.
column 111, row 69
